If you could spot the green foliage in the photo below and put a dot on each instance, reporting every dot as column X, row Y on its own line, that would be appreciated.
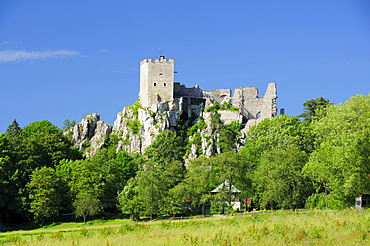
column 129, row 201
column 278, row 134
column 314, row 109
column 228, row 135
column 341, row 163
column 13, row 130
column 224, row 106
column 111, row 140
column 102, row 176
column 67, row 124
column 134, row 125
column 279, row 131
column 8, row 179
column 127, row 166
column 167, row 147
column 195, row 188
column 135, row 108
column 43, row 126
column 87, row 206
column 38, row 145
column 331, row 147
column 279, row 180
column 161, row 169
column 204, row 174
column 317, row 200
column 46, row 193
column 199, row 126
column 83, row 178
column 196, row 138
column 235, row 126
column 215, row 121
column 213, row 108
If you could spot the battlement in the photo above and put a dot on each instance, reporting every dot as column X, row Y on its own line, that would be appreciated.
column 161, row 59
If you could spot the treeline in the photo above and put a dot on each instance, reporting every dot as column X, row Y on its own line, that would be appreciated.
column 320, row 161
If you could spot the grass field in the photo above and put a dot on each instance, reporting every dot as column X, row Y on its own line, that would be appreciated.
column 347, row 227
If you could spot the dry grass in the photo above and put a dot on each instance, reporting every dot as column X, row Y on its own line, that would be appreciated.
column 348, row 227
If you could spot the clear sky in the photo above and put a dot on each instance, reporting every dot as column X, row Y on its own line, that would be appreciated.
column 64, row 59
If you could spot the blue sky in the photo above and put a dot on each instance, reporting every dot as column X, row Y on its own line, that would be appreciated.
column 65, row 59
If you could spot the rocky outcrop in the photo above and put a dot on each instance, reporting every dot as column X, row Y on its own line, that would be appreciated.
column 137, row 127
column 90, row 134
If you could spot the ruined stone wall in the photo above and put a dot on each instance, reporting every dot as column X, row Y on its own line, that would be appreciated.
column 253, row 106
column 182, row 91
column 220, row 95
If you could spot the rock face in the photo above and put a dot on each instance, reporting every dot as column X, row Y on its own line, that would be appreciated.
column 137, row 127
column 90, row 134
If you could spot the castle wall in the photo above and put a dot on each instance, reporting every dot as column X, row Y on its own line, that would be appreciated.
column 268, row 109
column 182, row 91
column 157, row 87
column 254, row 107
column 220, row 95
column 156, row 81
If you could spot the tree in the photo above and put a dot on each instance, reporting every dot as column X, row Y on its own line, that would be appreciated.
column 314, row 109
column 102, row 176
column 43, row 144
column 67, row 124
column 83, row 177
column 45, row 193
column 127, row 164
column 161, row 169
column 341, row 164
column 195, row 189
column 129, row 202
column 279, row 178
column 12, row 175
column 87, row 206
column 7, row 172
column 116, row 170
column 13, row 130
column 228, row 168
column 166, row 147
column 40, row 126
column 280, row 132
column 228, row 135
column 109, row 173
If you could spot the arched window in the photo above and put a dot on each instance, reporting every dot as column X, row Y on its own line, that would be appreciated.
column 155, row 84
column 164, row 84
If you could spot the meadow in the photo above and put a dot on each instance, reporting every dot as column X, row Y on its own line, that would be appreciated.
column 314, row 227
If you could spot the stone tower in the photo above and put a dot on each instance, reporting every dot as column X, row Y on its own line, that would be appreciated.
column 156, row 81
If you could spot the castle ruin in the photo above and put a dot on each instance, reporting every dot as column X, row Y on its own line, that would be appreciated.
column 157, row 88
column 165, row 104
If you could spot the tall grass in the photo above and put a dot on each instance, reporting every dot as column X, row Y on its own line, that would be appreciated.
column 347, row 227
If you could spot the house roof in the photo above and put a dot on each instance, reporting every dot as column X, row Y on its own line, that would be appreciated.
column 226, row 185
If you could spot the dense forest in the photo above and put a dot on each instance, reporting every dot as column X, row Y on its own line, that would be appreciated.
column 319, row 159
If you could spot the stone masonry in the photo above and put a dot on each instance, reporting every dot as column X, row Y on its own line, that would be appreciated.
column 157, row 87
